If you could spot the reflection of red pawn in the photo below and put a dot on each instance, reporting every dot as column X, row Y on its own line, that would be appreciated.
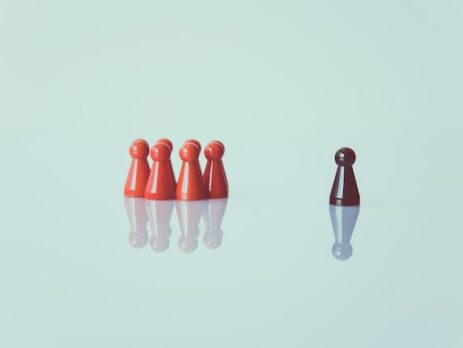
column 161, row 182
column 139, row 169
column 214, row 178
column 190, row 185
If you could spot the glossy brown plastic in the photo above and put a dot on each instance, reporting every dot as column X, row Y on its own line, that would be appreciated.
column 345, row 191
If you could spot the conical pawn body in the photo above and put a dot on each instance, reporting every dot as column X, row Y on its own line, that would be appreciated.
column 161, row 182
column 344, row 191
column 214, row 177
column 190, row 185
column 139, row 170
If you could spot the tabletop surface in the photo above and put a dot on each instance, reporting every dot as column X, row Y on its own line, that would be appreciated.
column 283, row 85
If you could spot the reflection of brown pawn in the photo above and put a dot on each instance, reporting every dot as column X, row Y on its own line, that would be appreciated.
column 135, row 208
column 189, row 215
column 159, row 215
column 345, row 191
column 212, row 217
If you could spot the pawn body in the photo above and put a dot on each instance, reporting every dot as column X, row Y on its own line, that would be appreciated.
column 161, row 182
column 214, row 177
column 344, row 191
column 139, row 170
column 190, row 185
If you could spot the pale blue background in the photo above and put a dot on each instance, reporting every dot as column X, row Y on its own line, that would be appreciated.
column 283, row 84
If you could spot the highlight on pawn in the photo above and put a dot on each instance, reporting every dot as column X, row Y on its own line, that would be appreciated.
column 158, row 182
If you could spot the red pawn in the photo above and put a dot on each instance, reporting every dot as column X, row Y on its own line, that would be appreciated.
column 139, row 169
column 194, row 141
column 214, row 178
column 190, row 184
column 161, row 182
column 166, row 142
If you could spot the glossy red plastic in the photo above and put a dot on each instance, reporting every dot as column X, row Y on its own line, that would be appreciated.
column 189, row 216
column 190, row 184
column 214, row 177
column 139, row 170
column 166, row 142
column 194, row 141
column 161, row 182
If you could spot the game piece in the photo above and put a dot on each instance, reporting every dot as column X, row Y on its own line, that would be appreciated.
column 138, row 219
column 166, row 142
column 190, row 184
column 194, row 141
column 214, row 178
column 159, row 216
column 161, row 182
column 345, row 191
column 213, row 213
column 343, row 220
column 189, row 215
column 139, row 170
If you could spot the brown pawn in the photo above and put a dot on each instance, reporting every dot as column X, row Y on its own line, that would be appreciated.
column 139, row 170
column 345, row 191
column 190, row 184
column 214, row 178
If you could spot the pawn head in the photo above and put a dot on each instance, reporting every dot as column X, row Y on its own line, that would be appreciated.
column 139, row 149
column 160, row 152
column 167, row 142
column 341, row 251
column 194, row 141
column 214, row 150
column 189, row 152
column 345, row 157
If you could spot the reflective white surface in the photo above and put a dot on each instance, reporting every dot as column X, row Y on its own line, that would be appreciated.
column 283, row 84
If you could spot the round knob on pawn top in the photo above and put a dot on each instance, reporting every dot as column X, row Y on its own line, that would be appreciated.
column 160, row 152
column 189, row 152
column 139, row 149
column 194, row 141
column 167, row 142
column 345, row 157
column 214, row 150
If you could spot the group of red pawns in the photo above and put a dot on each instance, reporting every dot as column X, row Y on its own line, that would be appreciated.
column 158, row 183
